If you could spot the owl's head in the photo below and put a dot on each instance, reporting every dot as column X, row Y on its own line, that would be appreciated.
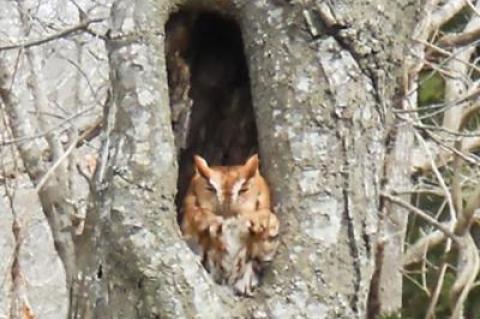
column 226, row 190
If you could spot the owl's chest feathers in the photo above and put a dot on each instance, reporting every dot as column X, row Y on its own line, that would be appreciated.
column 234, row 235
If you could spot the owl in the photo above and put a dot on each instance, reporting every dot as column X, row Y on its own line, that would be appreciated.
column 227, row 219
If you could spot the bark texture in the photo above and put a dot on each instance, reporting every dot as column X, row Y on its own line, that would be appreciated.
column 324, row 80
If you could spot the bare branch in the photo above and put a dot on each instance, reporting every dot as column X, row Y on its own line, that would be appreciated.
column 436, row 294
column 457, row 193
column 415, row 252
column 452, row 142
column 23, row 138
column 468, row 267
column 424, row 165
column 20, row 125
column 448, row 54
column 426, row 191
column 62, row 34
column 427, row 218
column 473, row 203
column 446, row 12
column 440, row 179
column 460, row 39
column 468, row 114
column 444, row 130
column 65, row 155
column 473, row 7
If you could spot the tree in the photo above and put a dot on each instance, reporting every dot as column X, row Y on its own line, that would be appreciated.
column 327, row 80
column 316, row 92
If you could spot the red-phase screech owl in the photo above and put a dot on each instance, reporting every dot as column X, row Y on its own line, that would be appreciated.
column 227, row 219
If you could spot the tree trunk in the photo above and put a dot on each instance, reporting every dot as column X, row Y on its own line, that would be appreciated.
column 324, row 81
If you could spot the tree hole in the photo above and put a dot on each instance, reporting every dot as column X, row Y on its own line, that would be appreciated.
column 99, row 272
column 209, row 88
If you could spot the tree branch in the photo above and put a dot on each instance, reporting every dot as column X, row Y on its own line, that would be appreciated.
column 415, row 252
column 420, row 213
column 459, row 39
column 83, row 26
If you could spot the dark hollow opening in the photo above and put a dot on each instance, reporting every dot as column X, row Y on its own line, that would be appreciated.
column 209, row 90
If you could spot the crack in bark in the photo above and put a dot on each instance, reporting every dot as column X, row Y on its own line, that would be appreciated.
column 354, row 250
column 121, row 174
column 19, row 307
column 345, row 44
column 373, row 301
column 15, row 271
column 333, row 28
column 376, row 80
column 366, row 239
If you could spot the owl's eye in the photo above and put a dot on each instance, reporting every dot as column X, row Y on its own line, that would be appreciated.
column 243, row 190
column 211, row 189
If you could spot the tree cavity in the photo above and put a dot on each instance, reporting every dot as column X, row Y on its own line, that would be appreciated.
column 209, row 89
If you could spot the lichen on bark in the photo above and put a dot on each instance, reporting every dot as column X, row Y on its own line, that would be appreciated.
column 321, row 130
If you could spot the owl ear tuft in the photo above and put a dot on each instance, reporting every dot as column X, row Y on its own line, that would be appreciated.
column 251, row 166
column 201, row 166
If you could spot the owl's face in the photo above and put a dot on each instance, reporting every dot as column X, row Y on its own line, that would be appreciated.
column 226, row 190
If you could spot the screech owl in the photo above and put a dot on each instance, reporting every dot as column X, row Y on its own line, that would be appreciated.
column 227, row 219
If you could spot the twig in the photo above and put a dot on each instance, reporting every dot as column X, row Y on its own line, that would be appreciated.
column 27, row 44
column 442, row 106
column 92, row 131
column 452, row 149
column 436, row 294
column 85, row 76
column 52, row 169
column 446, row 12
column 425, row 191
column 415, row 252
column 48, row 131
column 472, row 204
column 468, row 115
column 440, row 179
column 448, row 54
column 460, row 39
column 473, row 7
column 468, row 266
column 442, row 129
column 416, row 283
column 457, row 193
column 421, row 214
column 424, row 268
column 460, row 153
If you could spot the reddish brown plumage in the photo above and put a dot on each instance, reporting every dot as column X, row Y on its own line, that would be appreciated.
column 227, row 215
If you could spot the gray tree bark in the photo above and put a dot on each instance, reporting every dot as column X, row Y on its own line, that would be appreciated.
column 325, row 79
